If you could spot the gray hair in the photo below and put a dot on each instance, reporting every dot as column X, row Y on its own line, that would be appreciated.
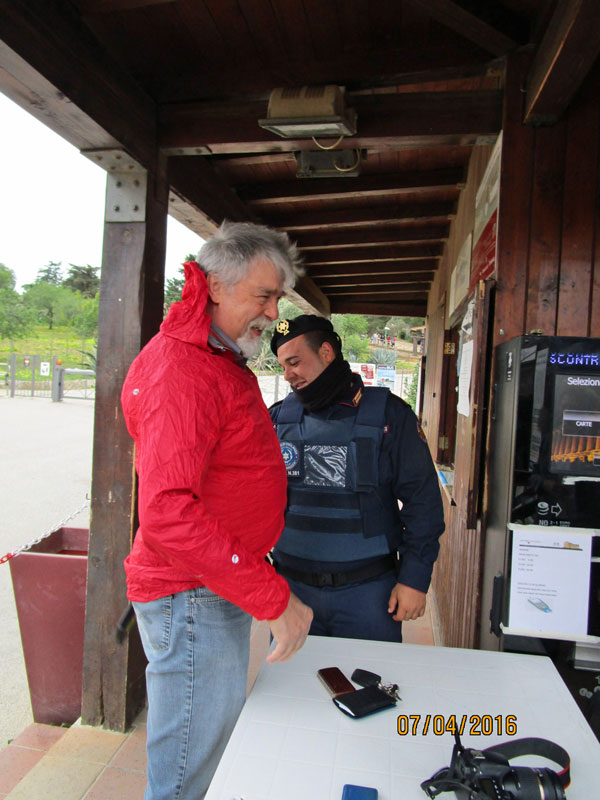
column 235, row 245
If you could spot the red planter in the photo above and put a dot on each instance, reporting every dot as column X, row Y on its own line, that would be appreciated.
column 49, row 583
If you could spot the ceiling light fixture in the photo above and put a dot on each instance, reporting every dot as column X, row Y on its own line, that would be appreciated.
column 309, row 111
column 329, row 164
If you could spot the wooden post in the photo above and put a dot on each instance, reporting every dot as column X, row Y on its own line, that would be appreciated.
column 131, row 308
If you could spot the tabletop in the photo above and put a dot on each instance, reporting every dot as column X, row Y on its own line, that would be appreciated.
column 292, row 743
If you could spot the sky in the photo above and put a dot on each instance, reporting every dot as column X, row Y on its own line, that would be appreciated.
column 52, row 202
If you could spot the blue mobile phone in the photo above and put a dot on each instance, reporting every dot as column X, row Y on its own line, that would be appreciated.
column 352, row 792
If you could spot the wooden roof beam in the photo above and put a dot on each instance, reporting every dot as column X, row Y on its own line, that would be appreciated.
column 452, row 15
column 373, row 280
column 384, row 120
column 569, row 48
column 438, row 62
column 108, row 6
column 309, row 297
column 374, row 254
column 372, row 268
column 370, row 185
column 52, row 66
column 345, row 218
column 410, row 290
column 399, row 308
column 323, row 241
column 207, row 199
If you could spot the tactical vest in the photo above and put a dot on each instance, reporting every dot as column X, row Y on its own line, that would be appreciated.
column 336, row 511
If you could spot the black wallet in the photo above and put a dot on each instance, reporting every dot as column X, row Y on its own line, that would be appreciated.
column 364, row 701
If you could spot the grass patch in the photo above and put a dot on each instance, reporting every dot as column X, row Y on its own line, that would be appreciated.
column 61, row 342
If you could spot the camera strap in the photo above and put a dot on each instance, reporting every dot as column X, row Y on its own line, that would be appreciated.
column 449, row 779
column 537, row 747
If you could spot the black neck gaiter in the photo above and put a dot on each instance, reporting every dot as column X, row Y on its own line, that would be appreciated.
column 322, row 392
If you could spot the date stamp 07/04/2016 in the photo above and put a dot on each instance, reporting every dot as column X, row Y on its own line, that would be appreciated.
column 473, row 724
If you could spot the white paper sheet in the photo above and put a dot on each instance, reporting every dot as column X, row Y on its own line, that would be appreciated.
column 464, row 378
column 550, row 580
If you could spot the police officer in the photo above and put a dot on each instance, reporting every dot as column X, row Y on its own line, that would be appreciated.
column 349, row 550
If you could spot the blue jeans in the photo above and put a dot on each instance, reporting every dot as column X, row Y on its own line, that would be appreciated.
column 197, row 645
column 356, row 611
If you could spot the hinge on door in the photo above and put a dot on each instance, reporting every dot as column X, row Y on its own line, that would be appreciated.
column 443, row 442
column 449, row 348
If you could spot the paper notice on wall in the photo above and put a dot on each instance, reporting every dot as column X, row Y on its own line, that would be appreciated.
column 464, row 378
column 459, row 280
column 368, row 372
column 550, row 580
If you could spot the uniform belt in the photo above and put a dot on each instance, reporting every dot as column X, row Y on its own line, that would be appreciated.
column 321, row 579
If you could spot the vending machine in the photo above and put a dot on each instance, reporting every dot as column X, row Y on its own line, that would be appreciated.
column 541, row 577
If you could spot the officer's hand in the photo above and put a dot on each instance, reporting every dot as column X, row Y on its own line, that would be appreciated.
column 406, row 602
column 290, row 629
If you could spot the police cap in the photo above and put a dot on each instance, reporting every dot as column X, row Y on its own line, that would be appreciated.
column 287, row 329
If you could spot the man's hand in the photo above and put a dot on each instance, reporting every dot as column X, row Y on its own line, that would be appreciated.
column 406, row 602
column 290, row 629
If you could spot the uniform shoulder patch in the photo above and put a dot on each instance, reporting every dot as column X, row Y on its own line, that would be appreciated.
column 290, row 454
column 357, row 397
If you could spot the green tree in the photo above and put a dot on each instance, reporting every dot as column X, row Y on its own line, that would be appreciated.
column 85, row 322
column 400, row 326
column 51, row 273
column 68, row 307
column 173, row 290
column 16, row 319
column 7, row 278
column 375, row 324
column 352, row 330
column 355, row 348
column 83, row 279
column 47, row 300
column 349, row 324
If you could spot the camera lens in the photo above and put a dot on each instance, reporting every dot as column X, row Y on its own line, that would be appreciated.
column 526, row 783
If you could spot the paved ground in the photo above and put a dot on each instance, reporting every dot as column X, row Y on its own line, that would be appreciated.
column 45, row 473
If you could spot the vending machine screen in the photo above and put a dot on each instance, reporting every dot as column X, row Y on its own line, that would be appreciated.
column 576, row 425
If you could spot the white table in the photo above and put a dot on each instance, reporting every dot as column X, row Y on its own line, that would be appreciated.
column 292, row 743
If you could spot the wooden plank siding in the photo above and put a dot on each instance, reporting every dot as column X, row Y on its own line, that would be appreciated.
column 548, row 280
column 456, row 574
column 549, row 224
column 434, row 348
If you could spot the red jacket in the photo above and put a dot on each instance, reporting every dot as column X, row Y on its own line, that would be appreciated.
column 212, row 488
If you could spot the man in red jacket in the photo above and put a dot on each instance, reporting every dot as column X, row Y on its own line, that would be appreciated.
column 212, row 494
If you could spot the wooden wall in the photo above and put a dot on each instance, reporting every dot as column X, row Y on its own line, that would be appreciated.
column 548, row 280
column 456, row 574
column 549, row 224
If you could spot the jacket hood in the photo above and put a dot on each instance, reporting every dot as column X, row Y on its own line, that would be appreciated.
column 188, row 320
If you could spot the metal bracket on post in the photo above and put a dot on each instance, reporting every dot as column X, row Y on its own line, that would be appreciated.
column 126, row 184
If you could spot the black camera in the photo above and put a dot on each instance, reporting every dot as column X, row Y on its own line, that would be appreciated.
column 488, row 775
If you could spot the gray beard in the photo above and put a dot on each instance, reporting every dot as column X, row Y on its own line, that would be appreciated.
column 249, row 345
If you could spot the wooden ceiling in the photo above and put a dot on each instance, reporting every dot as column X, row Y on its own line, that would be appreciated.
column 424, row 76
